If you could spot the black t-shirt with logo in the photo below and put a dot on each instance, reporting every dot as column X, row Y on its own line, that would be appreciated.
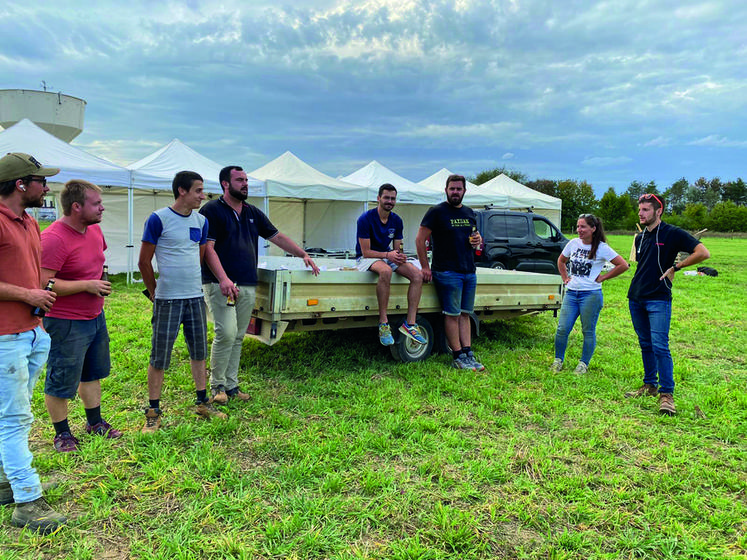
column 655, row 252
column 451, row 229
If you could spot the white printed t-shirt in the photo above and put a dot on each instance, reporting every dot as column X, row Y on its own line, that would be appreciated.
column 582, row 270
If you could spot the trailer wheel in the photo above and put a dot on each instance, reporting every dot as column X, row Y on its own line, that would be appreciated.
column 405, row 349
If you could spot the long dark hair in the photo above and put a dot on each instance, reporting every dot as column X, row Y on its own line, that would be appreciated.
column 598, row 236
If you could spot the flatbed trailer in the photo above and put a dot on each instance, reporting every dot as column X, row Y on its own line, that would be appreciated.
column 291, row 299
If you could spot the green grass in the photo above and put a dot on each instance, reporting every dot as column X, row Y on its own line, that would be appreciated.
column 344, row 454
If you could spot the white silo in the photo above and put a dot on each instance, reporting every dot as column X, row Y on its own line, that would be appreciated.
column 58, row 114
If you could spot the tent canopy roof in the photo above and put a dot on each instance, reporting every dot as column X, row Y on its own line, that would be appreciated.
column 374, row 174
column 157, row 170
column 74, row 163
column 476, row 195
column 520, row 195
column 290, row 177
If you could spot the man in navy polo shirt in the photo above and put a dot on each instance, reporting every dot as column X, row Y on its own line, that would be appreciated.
column 650, row 296
column 229, row 274
column 380, row 237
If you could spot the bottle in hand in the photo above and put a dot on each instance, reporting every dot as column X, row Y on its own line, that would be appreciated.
column 39, row 311
column 105, row 275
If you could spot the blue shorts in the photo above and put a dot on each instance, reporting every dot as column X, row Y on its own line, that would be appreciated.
column 456, row 291
column 168, row 316
column 79, row 353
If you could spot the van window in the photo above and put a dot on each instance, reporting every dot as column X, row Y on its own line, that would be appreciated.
column 516, row 226
column 496, row 226
column 543, row 229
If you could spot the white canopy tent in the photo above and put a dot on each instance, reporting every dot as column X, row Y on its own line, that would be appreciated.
column 313, row 209
column 475, row 197
column 151, row 181
column 521, row 197
column 413, row 199
column 75, row 163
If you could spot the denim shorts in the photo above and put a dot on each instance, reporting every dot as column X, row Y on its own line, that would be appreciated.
column 168, row 316
column 456, row 291
column 79, row 353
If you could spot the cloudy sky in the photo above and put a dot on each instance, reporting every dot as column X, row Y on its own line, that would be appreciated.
column 606, row 91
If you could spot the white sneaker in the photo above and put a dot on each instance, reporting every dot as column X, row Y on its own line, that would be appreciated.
column 581, row 368
column 557, row 365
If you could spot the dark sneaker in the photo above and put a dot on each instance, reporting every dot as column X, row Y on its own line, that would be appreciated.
column 152, row 420
column 6, row 492
column 412, row 332
column 646, row 390
column 219, row 395
column 65, row 442
column 477, row 366
column 104, row 429
column 557, row 365
column 208, row 410
column 236, row 393
column 666, row 404
column 37, row 516
column 463, row 362
column 385, row 334
column 581, row 368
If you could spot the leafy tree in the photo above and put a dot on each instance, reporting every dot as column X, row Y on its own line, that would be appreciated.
column 636, row 189
column 614, row 210
column 487, row 175
column 546, row 186
column 578, row 198
column 706, row 192
column 695, row 216
column 676, row 196
column 736, row 191
column 727, row 216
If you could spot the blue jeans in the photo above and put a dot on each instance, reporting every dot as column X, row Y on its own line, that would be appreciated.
column 587, row 305
column 22, row 357
column 651, row 323
column 456, row 291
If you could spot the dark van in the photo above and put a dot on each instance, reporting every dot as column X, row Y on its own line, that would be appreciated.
column 519, row 241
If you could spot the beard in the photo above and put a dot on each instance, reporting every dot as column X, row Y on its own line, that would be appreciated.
column 237, row 194
column 455, row 199
column 34, row 202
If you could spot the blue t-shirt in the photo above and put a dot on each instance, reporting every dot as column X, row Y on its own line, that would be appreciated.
column 381, row 235
column 177, row 239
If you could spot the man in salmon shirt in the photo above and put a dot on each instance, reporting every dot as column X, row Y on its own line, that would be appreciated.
column 73, row 254
column 23, row 343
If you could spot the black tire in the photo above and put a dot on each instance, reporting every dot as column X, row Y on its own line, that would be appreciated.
column 498, row 265
column 405, row 349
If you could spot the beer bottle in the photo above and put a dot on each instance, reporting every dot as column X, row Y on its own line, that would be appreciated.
column 105, row 275
column 38, row 311
column 230, row 301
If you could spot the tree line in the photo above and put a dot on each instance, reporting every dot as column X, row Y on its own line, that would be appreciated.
column 705, row 203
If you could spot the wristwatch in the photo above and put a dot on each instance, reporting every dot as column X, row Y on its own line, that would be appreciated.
column 677, row 268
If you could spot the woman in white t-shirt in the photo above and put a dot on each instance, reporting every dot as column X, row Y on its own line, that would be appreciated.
column 580, row 265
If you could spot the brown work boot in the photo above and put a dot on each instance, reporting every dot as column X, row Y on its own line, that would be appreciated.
column 208, row 410
column 646, row 390
column 237, row 393
column 37, row 516
column 666, row 404
column 219, row 395
column 152, row 420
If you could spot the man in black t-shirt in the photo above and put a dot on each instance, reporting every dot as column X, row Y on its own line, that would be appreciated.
column 229, row 274
column 650, row 296
column 452, row 228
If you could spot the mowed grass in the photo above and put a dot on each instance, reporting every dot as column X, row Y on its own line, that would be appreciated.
column 343, row 453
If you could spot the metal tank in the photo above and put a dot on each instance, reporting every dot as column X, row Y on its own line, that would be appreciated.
column 57, row 113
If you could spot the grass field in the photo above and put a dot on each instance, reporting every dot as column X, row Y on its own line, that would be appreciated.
column 343, row 453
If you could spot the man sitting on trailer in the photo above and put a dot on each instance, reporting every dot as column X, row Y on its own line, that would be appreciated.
column 380, row 237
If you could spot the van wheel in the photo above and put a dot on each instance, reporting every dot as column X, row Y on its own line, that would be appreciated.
column 405, row 349
column 498, row 265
